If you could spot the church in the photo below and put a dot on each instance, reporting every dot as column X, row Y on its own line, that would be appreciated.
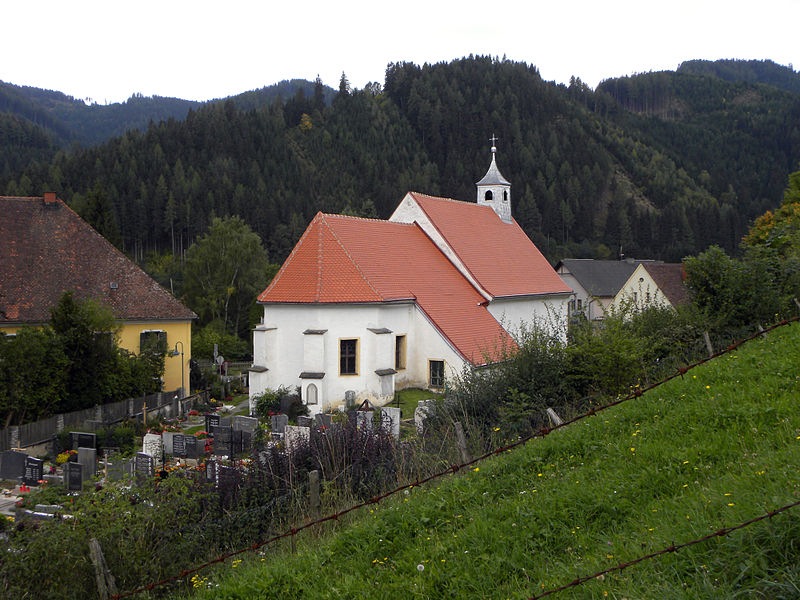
column 369, row 306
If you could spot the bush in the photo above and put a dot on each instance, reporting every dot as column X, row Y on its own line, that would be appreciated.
column 269, row 402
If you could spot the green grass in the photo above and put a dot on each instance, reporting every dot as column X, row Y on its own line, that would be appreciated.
column 409, row 398
column 715, row 448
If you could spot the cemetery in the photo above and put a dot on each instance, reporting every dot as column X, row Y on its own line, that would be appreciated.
column 230, row 475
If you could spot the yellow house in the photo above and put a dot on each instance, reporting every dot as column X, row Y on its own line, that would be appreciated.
column 47, row 249
column 653, row 284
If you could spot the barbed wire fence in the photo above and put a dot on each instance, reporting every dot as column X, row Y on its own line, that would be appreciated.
column 455, row 468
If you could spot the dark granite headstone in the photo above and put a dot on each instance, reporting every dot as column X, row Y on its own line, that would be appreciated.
column 190, row 446
column 12, row 464
column 34, row 471
column 323, row 420
column 223, row 440
column 179, row 445
column 211, row 421
column 247, row 441
column 73, row 476
column 305, row 421
column 279, row 423
column 83, row 440
column 144, row 465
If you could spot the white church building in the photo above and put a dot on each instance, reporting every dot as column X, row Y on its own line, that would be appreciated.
column 371, row 306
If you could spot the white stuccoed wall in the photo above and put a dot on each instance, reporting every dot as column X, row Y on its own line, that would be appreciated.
column 546, row 311
column 281, row 346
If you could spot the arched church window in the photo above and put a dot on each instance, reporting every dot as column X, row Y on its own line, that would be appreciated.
column 505, row 196
column 488, row 196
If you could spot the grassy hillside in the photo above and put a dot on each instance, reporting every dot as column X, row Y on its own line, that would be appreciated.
column 715, row 448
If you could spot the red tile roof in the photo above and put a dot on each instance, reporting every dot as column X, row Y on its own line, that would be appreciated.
column 347, row 259
column 47, row 249
column 500, row 257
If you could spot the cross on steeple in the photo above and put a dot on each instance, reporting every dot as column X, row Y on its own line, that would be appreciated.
column 494, row 139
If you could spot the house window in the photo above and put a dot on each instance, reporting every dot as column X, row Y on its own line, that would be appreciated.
column 400, row 352
column 580, row 304
column 153, row 339
column 488, row 195
column 436, row 370
column 311, row 394
column 348, row 357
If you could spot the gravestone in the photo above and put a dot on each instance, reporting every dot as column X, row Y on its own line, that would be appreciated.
column 286, row 402
column 179, row 445
column 190, row 445
column 223, row 440
column 34, row 471
column 211, row 421
column 424, row 408
column 12, row 464
column 349, row 398
column 364, row 420
column 296, row 436
column 247, row 441
column 83, row 440
column 151, row 445
column 248, row 424
column 166, row 440
column 390, row 421
column 211, row 471
column 87, row 458
column 323, row 420
column 279, row 423
column 73, row 476
column 143, row 465
column 305, row 421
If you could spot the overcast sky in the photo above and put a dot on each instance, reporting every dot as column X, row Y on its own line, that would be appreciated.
column 199, row 50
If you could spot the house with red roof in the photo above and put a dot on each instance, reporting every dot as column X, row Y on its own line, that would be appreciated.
column 369, row 306
column 46, row 249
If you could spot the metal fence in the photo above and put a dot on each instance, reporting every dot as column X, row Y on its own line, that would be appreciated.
column 162, row 404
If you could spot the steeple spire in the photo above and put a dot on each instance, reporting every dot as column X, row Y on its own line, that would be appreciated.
column 495, row 190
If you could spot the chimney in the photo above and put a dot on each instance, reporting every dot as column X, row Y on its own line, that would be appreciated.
column 49, row 197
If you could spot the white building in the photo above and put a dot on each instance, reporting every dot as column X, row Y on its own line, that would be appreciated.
column 371, row 306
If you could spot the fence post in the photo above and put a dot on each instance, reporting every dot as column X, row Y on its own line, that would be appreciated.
column 59, row 422
column 313, row 492
column 554, row 418
column 14, row 436
column 708, row 344
column 462, row 443
column 106, row 586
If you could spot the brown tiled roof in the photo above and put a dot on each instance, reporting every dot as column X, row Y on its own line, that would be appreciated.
column 47, row 249
column 669, row 279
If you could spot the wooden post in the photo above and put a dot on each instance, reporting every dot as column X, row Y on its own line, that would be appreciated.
column 554, row 418
column 106, row 586
column 313, row 492
column 708, row 343
column 462, row 443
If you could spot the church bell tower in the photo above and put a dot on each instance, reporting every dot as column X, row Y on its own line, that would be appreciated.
column 495, row 190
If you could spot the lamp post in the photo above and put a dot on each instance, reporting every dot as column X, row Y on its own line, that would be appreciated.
column 175, row 353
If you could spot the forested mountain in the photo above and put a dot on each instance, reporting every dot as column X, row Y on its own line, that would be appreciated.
column 35, row 123
column 750, row 71
column 658, row 165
